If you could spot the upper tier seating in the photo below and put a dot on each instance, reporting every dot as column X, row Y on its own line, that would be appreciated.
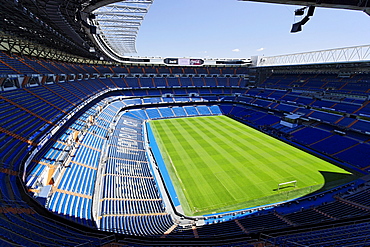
column 27, row 114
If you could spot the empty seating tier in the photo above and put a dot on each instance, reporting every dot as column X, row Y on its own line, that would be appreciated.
column 130, row 202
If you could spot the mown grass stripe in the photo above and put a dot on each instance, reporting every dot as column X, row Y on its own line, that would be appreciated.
column 217, row 164
column 183, row 176
column 221, row 181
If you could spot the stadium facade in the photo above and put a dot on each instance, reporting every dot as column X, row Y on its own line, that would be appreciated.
column 76, row 167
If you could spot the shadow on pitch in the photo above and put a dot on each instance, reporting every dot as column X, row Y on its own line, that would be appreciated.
column 331, row 179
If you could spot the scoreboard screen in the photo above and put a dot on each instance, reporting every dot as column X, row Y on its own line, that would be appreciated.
column 183, row 61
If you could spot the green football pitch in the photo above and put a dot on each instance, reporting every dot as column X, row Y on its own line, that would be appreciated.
column 218, row 164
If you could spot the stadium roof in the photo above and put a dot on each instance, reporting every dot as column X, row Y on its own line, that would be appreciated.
column 338, row 55
column 49, row 23
column 118, row 24
column 69, row 25
column 342, row 4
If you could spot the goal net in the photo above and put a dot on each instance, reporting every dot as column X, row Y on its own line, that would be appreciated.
column 287, row 184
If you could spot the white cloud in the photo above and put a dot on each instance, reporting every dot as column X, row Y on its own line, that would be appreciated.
column 236, row 50
column 260, row 49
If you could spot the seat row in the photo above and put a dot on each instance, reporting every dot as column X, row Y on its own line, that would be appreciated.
column 130, row 201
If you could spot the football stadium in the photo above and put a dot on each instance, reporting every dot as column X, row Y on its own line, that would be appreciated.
column 103, row 149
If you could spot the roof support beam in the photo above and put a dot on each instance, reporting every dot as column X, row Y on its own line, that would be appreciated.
column 348, row 54
column 125, row 18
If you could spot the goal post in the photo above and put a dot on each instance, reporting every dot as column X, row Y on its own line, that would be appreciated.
column 287, row 184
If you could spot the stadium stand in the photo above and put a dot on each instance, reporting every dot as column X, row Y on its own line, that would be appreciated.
column 333, row 123
column 336, row 236
column 130, row 201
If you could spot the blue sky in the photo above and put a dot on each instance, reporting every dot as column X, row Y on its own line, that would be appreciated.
column 235, row 29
